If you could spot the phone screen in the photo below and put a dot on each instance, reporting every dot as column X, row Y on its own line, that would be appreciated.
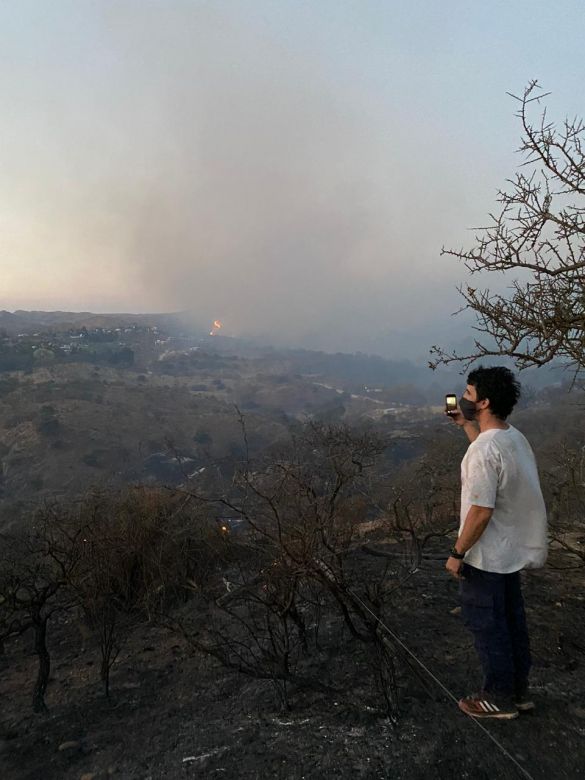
column 450, row 403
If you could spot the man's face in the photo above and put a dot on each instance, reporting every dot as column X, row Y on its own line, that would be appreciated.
column 471, row 395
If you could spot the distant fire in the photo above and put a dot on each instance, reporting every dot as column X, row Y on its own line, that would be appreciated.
column 217, row 326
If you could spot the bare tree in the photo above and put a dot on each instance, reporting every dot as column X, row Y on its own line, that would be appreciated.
column 133, row 555
column 35, row 568
column 256, row 627
column 538, row 235
column 110, row 560
column 301, row 508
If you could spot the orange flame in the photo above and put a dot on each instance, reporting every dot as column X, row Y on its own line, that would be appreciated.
column 217, row 326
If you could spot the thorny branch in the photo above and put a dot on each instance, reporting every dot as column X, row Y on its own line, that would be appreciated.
column 539, row 233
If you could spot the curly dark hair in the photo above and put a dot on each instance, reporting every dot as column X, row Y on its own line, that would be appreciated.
column 499, row 385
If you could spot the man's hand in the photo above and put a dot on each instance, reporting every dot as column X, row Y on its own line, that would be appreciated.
column 457, row 417
column 470, row 427
column 453, row 566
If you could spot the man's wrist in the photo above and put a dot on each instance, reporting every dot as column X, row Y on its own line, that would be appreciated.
column 454, row 553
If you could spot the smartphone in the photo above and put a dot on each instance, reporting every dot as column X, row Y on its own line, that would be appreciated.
column 450, row 403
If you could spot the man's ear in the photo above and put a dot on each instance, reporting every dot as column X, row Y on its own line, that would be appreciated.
column 486, row 402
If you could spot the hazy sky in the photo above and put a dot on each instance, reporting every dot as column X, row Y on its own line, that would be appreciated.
column 292, row 168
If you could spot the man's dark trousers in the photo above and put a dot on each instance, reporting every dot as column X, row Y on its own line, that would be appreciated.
column 493, row 609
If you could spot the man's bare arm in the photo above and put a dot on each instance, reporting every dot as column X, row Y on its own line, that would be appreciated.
column 475, row 524
column 470, row 427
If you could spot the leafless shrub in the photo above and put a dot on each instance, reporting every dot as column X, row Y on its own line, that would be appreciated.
column 563, row 482
column 141, row 553
column 111, row 560
column 422, row 499
column 301, row 509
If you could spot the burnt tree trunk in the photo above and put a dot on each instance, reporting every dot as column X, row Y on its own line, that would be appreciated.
column 44, row 670
column 109, row 645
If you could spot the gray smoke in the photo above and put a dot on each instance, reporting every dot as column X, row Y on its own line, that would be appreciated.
column 206, row 162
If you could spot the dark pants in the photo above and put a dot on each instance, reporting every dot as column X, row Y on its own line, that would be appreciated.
column 493, row 609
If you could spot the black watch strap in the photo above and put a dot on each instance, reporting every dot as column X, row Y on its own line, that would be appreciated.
column 458, row 555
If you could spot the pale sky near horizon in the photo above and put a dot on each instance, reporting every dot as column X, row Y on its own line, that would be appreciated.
column 290, row 167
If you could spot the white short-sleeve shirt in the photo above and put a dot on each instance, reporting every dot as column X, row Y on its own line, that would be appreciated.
column 499, row 471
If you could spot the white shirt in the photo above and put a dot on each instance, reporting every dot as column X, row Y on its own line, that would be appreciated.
column 499, row 471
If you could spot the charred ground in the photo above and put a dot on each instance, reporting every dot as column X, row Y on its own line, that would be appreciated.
column 169, row 705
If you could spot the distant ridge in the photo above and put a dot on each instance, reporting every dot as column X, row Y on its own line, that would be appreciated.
column 22, row 321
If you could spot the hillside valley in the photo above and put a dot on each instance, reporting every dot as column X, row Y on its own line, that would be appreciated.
column 167, row 447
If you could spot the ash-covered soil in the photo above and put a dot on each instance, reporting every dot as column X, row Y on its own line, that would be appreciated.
column 173, row 714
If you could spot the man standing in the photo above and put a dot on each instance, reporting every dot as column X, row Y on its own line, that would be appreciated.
column 503, row 530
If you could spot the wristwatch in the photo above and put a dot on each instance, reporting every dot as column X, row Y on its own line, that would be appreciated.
column 454, row 554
